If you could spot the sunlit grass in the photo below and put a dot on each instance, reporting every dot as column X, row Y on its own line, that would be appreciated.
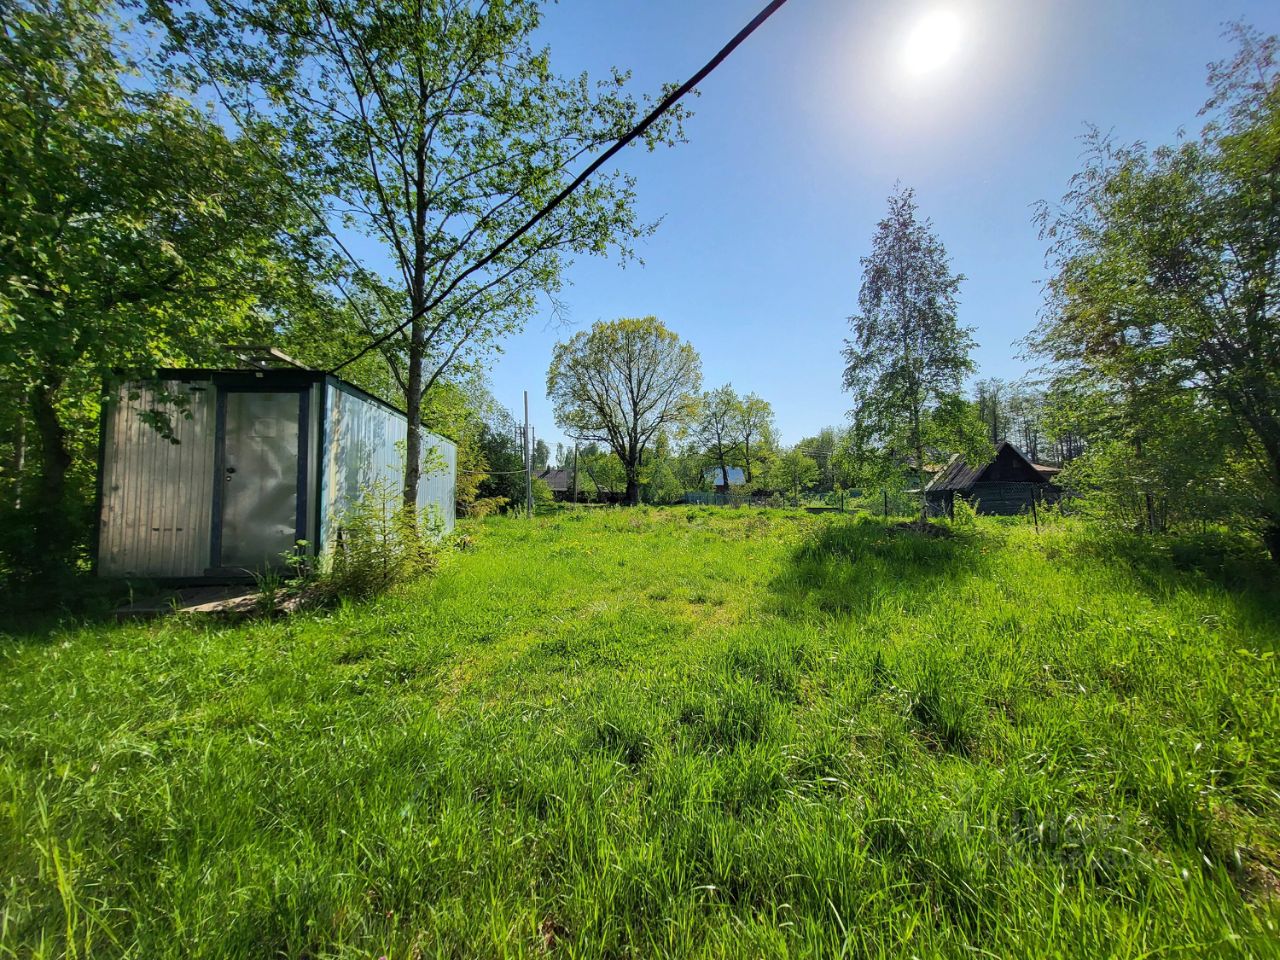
column 687, row 732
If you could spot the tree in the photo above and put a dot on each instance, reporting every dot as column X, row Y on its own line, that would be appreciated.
column 989, row 395
column 821, row 448
column 793, row 472
column 541, row 454
column 133, row 232
column 716, row 429
column 602, row 472
column 661, row 484
column 434, row 130
column 620, row 383
column 1166, row 271
column 908, row 354
column 754, row 425
column 1025, row 407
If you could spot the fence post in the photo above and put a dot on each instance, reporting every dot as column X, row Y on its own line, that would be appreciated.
column 1035, row 516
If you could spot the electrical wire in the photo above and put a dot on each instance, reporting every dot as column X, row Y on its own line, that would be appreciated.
column 666, row 104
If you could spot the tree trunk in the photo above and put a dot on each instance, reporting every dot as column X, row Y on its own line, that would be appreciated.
column 746, row 458
column 52, row 526
column 633, row 488
column 413, row 413
column 1271, row 537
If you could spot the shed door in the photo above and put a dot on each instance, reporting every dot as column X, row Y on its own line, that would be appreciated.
column 260, row 478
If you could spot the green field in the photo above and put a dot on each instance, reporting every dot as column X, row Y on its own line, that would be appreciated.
column 683, row 732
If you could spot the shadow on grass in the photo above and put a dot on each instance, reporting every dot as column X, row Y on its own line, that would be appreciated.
column 37, row 613
column 1234, row 564
column 849, row 567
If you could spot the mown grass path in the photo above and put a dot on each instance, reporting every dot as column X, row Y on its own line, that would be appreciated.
column 684, row 732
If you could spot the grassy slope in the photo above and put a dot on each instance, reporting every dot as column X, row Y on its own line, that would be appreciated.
column 697, row 732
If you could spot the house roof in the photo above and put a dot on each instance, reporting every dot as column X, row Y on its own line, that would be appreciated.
column 736, row 476
column 555, row 479
column 958, row 475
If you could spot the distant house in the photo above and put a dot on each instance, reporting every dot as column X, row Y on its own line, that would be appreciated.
column 716, row 478
column 1007, row 484
column 560, row 481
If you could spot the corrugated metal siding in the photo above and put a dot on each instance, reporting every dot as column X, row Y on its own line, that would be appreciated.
column 364, row 444
column 157, row 495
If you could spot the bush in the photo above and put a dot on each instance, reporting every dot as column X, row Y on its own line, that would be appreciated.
column 379, row 544
column 486, row 506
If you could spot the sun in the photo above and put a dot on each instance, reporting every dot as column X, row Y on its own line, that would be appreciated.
column 933, row 41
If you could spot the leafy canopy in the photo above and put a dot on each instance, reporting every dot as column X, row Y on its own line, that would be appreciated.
column 908, row 353
column 621, row 383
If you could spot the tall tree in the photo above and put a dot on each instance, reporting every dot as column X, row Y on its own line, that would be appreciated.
column 821, row 448
column 908, row 354
column 541, row 454
column 990, row 396
column 1167, row 272
column 754, row 426
column 620, row 383
column 716, row 429
column 434, row 129
column 793, row 471
column 133, row 232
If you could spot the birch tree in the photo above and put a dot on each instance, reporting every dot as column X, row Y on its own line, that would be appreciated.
column 433, row 128
column 908, row 354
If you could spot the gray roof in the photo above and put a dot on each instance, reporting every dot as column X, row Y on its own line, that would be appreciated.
column 736, row 476
column 555, row 479
column 958, row 475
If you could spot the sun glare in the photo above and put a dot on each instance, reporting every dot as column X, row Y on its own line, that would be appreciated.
column 932, row 42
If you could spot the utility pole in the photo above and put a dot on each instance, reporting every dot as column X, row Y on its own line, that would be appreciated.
column 528, row 462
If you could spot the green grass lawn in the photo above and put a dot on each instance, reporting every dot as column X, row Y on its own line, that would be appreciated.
column 683, row 732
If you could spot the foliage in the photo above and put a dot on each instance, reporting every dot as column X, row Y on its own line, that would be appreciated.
column 621, row 383
column 133, row 232
column 755, row 425
column 995, row 744
column 792, row 472
column 716, row 430
column 542, row 494
column 908, row 353
column 377, row 545
column 824, row 448
column 434, row 130
column 486, row 507
column 1166, row 264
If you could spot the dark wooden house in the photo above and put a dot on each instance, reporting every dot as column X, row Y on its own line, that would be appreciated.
column 1009, row 483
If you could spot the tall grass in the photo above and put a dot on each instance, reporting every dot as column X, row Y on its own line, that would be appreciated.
column 684, row 732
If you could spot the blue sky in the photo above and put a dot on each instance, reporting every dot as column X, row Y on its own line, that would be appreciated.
column 799, row 137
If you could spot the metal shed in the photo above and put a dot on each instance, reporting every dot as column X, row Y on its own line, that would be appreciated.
column 250, row 462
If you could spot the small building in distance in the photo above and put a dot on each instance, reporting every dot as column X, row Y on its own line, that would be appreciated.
column 559, row 480
column 1007, row 484
column 720, row 482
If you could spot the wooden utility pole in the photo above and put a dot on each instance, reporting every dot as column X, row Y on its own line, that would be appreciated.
column 528, row 462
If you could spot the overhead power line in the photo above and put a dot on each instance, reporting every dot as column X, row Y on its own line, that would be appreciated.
column 667, row 103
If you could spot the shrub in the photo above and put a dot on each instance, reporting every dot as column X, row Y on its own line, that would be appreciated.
column 486, row 506
column 964, row 515
column 378, row 544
